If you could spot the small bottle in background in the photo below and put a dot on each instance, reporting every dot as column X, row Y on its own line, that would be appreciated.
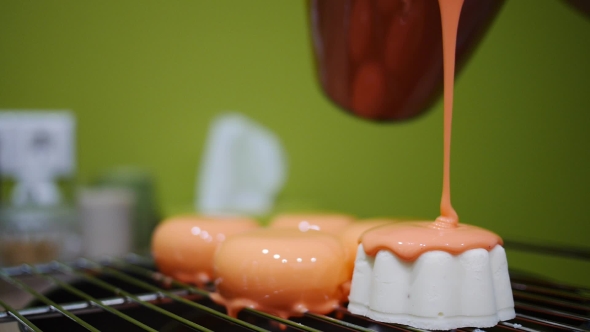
column 106, row 216
column 141, row 185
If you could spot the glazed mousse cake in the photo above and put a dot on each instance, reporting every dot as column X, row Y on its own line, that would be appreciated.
column 437, row 275
column 284, row 272
column 426, row 275
column 183, row 246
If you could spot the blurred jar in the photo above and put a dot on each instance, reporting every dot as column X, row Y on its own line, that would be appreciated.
column 145, row 214
column 106, row 216
column 37, row 234
column 382, row 59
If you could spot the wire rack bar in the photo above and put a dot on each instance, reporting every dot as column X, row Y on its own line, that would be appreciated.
column 548, row 323
column 91, row 300
column 156, row 276
column 19, row 317
column 83, row 306
column 338, row 322
column 345, row 313
column 139, row 283
column 551, row 312
column 516, row 327
column 47, row 301
column 284, row 322
column 545, row 305
column 131, row 297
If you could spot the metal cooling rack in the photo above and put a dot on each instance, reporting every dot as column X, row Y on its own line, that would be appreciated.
column 128, row 295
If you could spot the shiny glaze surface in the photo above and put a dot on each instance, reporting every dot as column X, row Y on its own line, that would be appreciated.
column 408, row 240
column 330, row 223
column 381, row 59
column 281, row 271
column 183, row 246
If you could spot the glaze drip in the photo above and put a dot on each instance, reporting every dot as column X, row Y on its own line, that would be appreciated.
column 450, row 12
column 410, row 239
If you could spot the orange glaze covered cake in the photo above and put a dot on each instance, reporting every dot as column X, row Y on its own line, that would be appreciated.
column 183, row 246
column 284, row 272
column 437, row 275
column 330, row 223
column 432, row 275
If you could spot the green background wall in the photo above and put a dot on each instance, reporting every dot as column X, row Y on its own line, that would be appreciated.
column 145, row 78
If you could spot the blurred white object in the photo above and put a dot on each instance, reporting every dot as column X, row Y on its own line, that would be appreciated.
column 105, row 216
column 242, row 170
column 36, row 147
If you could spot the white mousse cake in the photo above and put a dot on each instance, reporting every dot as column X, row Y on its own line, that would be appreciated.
column 437, row 291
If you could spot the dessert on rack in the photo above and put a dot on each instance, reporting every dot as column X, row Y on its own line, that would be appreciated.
column 440, row 274
column 284, row 272
column 183, row 246
column 432, row 275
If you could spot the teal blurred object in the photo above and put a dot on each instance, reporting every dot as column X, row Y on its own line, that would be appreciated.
column 147, row 214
